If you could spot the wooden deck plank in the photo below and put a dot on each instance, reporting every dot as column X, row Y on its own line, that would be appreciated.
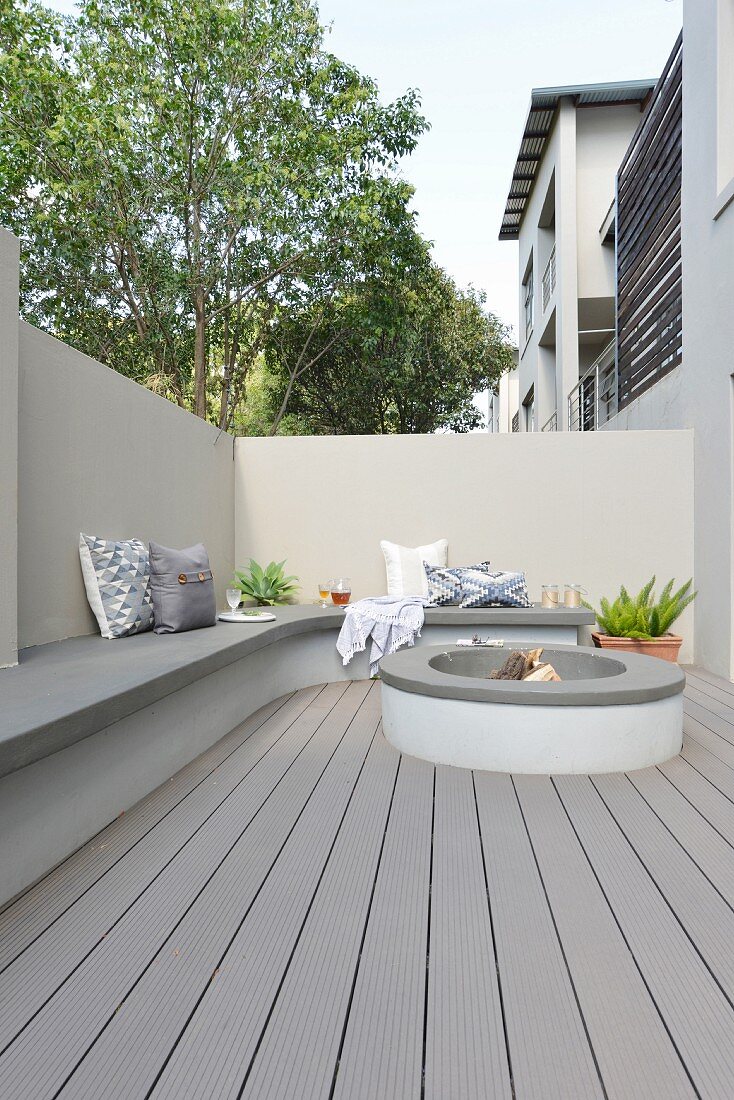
column 699, row 907
column 704, row 688
column 702, row 674
column 710, row 720
column 713, row 769
column 382, row 1054
column 710, row 802
column 720, row 707
column 704, row 845
column 266, row 807
column 549, row 1047
column 672, row 969
column 695, row 730
column 240, row 929
column 466, row 1052
column 298, row 1052
column 635, row 1054
column 25, row 918
column 248, row 773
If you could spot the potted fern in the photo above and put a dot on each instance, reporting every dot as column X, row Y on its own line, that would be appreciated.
column 641, row 624
column 268, row 587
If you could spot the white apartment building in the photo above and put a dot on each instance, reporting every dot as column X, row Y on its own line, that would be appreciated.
column 502, row 401
column 665, row 251
column 560, row 209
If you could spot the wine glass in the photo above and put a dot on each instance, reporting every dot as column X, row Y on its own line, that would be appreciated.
column 324, row 590
column 234, row 596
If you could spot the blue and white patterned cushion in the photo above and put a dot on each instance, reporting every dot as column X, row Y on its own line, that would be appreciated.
column 444, row 586
column 445, row 582
column 117, row 580
column 485, row 589
column 482, row 566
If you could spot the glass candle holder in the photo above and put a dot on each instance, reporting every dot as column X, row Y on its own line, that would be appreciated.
column 551, row 596
column 572, row 597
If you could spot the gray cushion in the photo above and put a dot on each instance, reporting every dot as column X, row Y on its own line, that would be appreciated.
column 182, row 588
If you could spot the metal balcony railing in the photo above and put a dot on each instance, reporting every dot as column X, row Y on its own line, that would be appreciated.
column 516, row 422
column 593, row 400
column 551, row 424
column 549, row 278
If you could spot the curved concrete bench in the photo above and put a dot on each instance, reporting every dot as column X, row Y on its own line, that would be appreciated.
column 89, row 726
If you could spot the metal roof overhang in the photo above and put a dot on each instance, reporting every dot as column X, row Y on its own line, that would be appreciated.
column 543, row 106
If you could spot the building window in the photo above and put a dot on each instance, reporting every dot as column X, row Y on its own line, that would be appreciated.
column 529, row 410
column 528, row 300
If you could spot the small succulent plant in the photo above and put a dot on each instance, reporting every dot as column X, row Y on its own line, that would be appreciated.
column 268, row 587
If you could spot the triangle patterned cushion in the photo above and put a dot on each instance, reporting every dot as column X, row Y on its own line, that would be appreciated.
column 484, row 589
column 117, row 580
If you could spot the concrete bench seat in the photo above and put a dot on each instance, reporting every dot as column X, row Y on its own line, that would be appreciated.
column 89, row 726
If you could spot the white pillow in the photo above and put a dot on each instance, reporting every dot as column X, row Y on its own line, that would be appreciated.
column 405, row 573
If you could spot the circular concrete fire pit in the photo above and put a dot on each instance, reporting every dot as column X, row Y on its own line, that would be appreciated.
column 607, row 714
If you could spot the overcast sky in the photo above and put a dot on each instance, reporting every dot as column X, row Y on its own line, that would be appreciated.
column 474, row 62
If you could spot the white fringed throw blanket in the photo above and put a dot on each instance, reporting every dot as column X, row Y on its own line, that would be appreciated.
column 390, row 621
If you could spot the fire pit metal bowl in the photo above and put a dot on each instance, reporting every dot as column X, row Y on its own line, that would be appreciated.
column 606, row 714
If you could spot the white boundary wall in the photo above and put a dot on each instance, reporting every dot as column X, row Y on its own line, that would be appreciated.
column 595, row 508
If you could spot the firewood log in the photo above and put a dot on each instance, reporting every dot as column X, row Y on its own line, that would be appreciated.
column 542, row 673
column 532, row 658
column 514, row 667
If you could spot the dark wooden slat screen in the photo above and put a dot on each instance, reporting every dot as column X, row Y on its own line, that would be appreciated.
column 649, row 298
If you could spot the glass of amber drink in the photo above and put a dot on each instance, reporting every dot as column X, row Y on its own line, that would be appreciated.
column 324, row 591
column 341, row 591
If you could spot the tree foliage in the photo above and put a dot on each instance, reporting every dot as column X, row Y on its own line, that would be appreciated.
column 404, row 353
column 183, row 172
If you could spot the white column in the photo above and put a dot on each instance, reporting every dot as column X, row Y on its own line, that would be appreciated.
column 9, row 273
column 567, row 307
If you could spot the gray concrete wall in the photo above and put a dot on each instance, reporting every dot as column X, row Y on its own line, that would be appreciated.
column 708, row 323
column 9, row 258
column 662, row 407
column 100, row 454
column 698, row 394
column 597, row 508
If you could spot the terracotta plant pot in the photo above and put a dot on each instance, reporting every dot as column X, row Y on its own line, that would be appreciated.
column 666, row 646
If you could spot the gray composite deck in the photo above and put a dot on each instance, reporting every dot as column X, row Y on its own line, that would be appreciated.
column 303, row 913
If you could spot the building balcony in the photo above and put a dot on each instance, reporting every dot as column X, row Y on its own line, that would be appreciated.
column 593, row 400
column 549, row 279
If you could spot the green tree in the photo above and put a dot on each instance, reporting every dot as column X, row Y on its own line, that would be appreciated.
column 398, row 355
column 181, row 172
